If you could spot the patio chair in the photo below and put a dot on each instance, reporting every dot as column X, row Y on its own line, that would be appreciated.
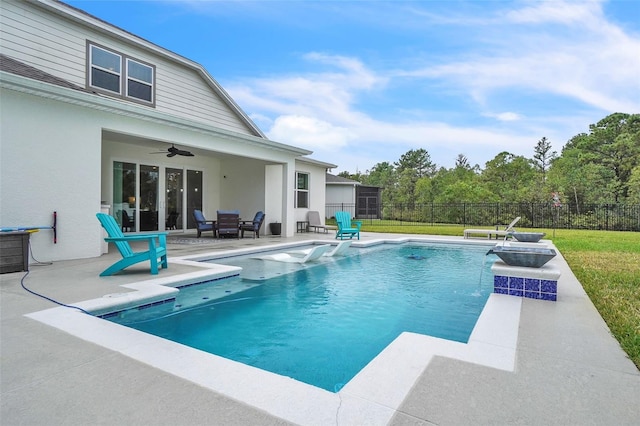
column 127, row 223
column 228, row 224
column 314, row 254
column 252, row 225
column 202, row 224
column 157, row 247
column 172, row 220
column 468, row 233
column 313, row 218
column 347, row 227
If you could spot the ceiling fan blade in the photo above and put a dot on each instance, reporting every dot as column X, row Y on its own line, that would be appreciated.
column 172, row 151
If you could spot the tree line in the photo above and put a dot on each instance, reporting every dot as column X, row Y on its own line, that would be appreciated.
column 601, row 166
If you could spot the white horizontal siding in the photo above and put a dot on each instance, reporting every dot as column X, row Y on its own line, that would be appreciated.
column 337, row 194
column 185, row 93
column 58, row 46
column 34, row 37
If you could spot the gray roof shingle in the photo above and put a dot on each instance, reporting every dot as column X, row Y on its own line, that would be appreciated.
column 13, row 66
column 340, row 180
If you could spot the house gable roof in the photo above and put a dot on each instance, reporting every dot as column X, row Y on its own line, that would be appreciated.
column 17, row 76
column 339, row 180
column 317, row 163
column 97, row 24
column 19, row 73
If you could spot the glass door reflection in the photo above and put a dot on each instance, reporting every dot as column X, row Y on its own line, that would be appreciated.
column 174, row 182
column 124, row 195
column 149, row 181
column 194, row 195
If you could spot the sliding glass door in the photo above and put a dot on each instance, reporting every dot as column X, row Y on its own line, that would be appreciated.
column 194, row 195
column 152, row 198
column 149, row 181
column 124, row 194
column 175, row 197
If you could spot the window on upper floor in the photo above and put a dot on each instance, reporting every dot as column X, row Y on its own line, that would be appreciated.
column 119, row 75
column 302, row 190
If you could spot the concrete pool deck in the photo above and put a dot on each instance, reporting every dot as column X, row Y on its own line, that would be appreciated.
column 567, row 367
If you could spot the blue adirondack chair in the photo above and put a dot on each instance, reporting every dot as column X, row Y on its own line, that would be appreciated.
column 129, row 257
column 346, row 226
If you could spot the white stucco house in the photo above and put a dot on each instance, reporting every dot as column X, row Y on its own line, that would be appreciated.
column 88, row 112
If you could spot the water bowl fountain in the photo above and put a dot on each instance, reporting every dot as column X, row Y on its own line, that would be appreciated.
column 528, row 237
column 530, row 257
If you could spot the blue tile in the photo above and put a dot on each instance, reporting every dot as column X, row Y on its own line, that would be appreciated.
column 547, row 286
column 500, row 281
column 532, row 294
column 207, row 281
column 548, row 296
column 532, row 284
column 516, row 283
column 500, row 290
column 518, row 293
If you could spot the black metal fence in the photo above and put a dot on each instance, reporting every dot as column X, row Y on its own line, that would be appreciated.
column 611, row 217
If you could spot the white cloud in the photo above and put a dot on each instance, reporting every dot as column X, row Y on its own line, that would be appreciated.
column 586, row 58
column 545, row 51
column 563, row 12
column 309, row 132
column 505, row 116
column 329, row 96
column 355, row 73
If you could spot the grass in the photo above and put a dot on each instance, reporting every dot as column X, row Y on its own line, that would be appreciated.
column 607, row 264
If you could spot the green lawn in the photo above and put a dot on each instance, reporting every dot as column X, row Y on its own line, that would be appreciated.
column 607, row 263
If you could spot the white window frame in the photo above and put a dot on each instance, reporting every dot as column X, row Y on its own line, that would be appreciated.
column 123, row 75
column 93, row 66
column 299, row 190
column 146, row 83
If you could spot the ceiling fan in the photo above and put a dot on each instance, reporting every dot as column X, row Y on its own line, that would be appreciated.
column 172, row 151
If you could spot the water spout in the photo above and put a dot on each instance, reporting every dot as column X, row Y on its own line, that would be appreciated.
column 478, row 291
column 523, row 256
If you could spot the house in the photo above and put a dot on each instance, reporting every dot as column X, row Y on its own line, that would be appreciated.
column 361, row 201
column 95, row 118
column 340, row 195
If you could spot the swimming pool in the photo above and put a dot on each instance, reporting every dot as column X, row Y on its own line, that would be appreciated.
column 322, row 323
column 373, row 396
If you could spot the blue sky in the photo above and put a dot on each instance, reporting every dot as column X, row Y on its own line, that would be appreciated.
column 363, row 82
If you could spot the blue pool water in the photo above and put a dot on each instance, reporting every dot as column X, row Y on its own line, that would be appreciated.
column 322, row 324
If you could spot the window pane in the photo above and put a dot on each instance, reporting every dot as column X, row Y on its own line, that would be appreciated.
column 139, row 71
column 105, row 80
column 175, row 191
column 124, row 195
column 194, row 195
column 138, row 90
column 303, row 181
column 303, row 199
column 148, row 198
column 104, row 59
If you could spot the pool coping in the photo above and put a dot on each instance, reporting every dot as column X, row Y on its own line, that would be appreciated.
column 372, row 396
